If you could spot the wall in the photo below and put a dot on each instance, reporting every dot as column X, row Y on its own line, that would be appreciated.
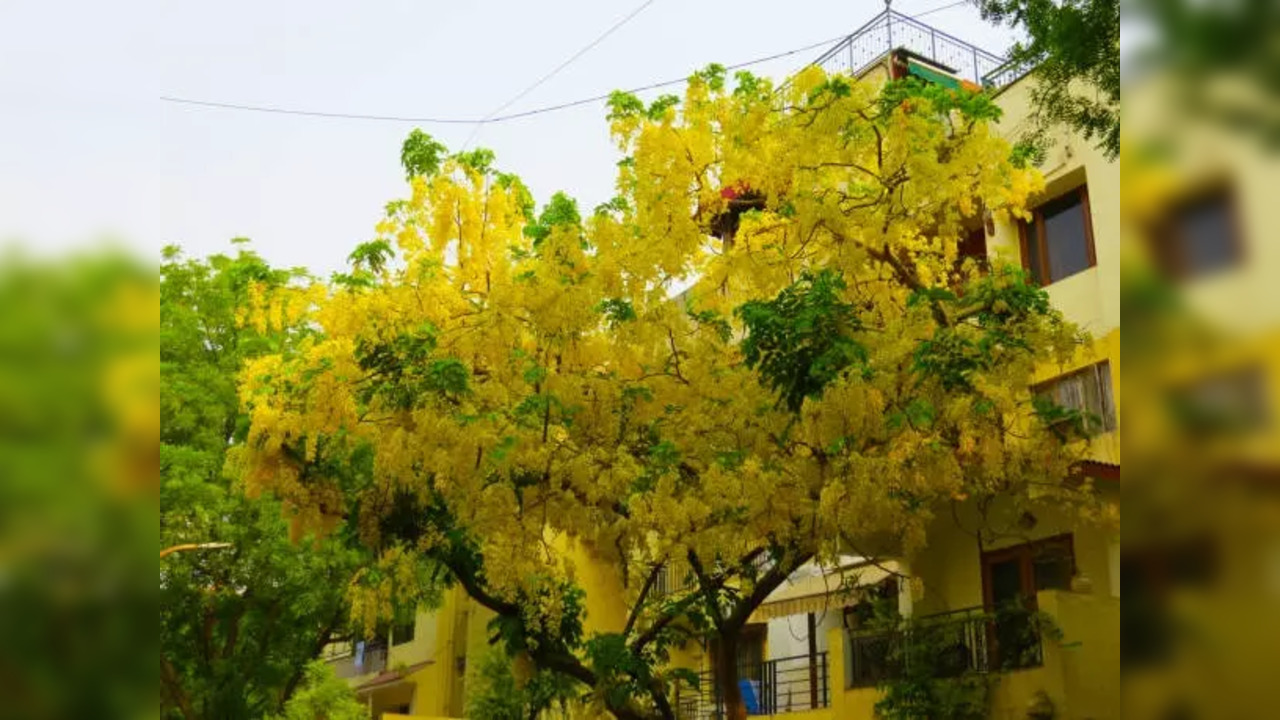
column 1080, row 674
column 1091, row 298
column 950, row 565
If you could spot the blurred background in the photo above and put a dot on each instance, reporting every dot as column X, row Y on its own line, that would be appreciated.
column 1201, row 308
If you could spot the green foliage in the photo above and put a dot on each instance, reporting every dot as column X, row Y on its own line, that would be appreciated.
column 747, row 86
column 421, row 155
column 913, row 94
column 1200, row 42
column 480, row 160
column 78, row 384
column 560, row 211
column 929, row 660
column 507, row 181
column 925, row 682
column 237, row 625
column 713, row 75
column 406, row 373
column 495, row 693
column 996, row 306
column 323, row 695
column 802, row 340
column 658, row 108
column 1068, row 42
column 624, row 104
column 372, row 255
column 713, row 320
column 616, row 311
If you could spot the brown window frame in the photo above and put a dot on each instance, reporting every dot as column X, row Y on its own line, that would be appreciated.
column 1167, row 244
column 1042, row 247
column 1026, row 554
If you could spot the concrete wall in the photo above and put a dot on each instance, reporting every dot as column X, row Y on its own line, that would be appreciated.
column 1080, row 674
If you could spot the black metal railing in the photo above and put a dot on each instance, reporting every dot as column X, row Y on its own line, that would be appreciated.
column 773, row 687
column 947, row 645
column 355, row 663
column 891, row 30
column 672, row 577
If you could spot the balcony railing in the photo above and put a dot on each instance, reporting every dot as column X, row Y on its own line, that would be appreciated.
column 356, row 663
column 891, row 30
column 949, row 644
column 773, row 687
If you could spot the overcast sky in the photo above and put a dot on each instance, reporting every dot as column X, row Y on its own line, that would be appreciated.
column 87, row 148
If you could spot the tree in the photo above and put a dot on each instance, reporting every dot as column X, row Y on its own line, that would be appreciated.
column 323, row 696
column 505, row 691
column 524, row 384
column 238, row 625
column 1073, row 47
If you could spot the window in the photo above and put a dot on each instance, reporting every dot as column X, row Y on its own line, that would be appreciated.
column 1199, row 237
column 1019, row 572
column 973, row 246
column 1225, row 403
column 1088, row 391
column 1058, row 242
column 402, row 633
column 1011, row 577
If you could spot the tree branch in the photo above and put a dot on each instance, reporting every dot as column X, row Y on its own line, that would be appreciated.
column 644, row 593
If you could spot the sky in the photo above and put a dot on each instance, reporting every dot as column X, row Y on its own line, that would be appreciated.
column 90, row 153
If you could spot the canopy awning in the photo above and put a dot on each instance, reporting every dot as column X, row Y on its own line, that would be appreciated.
column 933, row 75
column 390, row 678
column 822, row 592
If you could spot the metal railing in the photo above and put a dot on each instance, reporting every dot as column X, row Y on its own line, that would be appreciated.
column 673, row 577
column 354, row 663
column 773, row 687
column 958, row 642
column 891, row 30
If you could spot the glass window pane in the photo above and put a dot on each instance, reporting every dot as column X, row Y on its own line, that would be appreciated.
column 1205, row 236
column 1006, row 582
column 1065, row 238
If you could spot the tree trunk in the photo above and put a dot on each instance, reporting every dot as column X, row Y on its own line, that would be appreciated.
column 727, row 677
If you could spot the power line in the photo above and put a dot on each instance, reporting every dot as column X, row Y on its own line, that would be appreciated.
column 556, row 70
column 492, row 119
column 948, row 6
column 483, row 121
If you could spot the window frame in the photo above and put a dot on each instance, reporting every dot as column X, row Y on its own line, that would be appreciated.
column 1036, row 227
column 1025, row 554
column 1168, row 244
column 1110, row 421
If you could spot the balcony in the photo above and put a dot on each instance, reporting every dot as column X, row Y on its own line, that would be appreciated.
column 371, row 657
column 947, row 644
column 891, row 30
column 773, row 687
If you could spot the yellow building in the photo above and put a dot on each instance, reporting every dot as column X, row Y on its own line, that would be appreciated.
column 803, row 653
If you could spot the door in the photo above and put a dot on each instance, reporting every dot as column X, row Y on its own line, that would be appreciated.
column 1011, row 577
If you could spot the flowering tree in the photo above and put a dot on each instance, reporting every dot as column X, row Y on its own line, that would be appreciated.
column 488, row 387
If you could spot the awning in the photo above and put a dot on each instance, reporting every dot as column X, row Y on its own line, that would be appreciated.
column 939, row 77
column 823, row 592
column 390, row 678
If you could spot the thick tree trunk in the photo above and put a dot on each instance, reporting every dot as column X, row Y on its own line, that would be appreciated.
column 727, row 677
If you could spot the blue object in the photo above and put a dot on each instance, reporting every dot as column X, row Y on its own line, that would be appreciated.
column 750, row 696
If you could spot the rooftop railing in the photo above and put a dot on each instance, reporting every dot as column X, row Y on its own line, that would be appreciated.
column 891, row 30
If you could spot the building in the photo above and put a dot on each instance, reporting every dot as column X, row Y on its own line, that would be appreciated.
column 804, row 652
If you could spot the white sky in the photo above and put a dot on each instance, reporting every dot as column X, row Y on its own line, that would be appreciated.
column 87, row 149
